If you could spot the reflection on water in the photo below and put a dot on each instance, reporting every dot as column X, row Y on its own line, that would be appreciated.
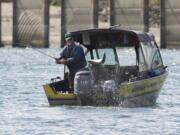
column 25, row 110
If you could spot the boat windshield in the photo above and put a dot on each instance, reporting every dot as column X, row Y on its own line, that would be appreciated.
column 110, row 56
column 151, row 54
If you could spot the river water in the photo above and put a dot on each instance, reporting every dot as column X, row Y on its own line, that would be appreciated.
column 24, row 109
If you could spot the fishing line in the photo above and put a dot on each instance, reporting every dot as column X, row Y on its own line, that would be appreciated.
column 39, row 51
column 44, row 53
column 172, row 65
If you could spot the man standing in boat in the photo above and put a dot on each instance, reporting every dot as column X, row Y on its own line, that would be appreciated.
column 73, row 56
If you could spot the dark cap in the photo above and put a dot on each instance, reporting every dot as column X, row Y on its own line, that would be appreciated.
column 68, row 36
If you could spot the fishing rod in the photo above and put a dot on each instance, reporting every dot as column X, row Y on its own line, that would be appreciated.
column 41, row 53
column 44, row 53
column 28, row 44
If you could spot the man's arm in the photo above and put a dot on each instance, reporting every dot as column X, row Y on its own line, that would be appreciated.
column 61, row 59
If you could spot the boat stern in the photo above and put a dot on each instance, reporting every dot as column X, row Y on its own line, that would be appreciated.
column 59, row 98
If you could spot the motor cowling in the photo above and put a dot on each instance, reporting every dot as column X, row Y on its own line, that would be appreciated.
column 109, row 86
column 109, row 90
column 83, row 82
column 83, row 87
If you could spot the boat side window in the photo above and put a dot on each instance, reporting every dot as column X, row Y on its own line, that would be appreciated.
column 126, row 56
column 110, row 56
column 88, row 55
column 142, row 63
column 99, row 53
column 92, row 54
column 157, row 60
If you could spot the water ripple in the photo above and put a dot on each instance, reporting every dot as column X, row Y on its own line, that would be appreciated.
column 25, row 110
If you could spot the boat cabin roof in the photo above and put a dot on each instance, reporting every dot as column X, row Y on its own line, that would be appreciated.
column 110, row 38
column 147, row 52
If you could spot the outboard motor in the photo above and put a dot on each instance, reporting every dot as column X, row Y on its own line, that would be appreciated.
column 83, row 86
column 109, row 89
column 109, row 86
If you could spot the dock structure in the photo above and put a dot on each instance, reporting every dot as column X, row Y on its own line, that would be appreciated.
column 145, row 12
column 170, row 22
column 129, row 14
column 31, row 23
column 163, row 25
column 31, row 19
column 78, row 14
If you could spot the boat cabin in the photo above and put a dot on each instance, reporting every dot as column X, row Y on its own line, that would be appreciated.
column 101, row 53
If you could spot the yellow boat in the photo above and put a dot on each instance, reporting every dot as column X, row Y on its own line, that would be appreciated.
column 105, row 81
column 57, row 97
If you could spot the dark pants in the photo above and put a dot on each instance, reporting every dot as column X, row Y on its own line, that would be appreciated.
column 71, row 76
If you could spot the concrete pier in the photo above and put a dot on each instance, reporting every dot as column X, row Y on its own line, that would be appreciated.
column 32, row 22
